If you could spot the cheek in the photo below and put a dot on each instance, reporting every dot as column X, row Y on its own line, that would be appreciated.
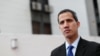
column 74, row 26
column 61, row 28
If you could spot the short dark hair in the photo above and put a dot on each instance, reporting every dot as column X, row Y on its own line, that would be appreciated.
column 68, row 10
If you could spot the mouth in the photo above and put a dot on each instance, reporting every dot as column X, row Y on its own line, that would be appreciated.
column 66, row 31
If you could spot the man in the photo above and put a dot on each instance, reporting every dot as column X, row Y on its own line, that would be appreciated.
column 74, row 45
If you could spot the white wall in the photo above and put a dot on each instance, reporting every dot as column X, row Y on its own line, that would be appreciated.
column 29, row 45
column 78, row 6
column 32, row 45
column 15, row 16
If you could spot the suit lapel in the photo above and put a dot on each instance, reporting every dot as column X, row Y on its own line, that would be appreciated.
column 81, row 47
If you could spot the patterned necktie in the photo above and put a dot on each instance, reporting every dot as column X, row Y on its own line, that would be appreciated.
column 70, row 53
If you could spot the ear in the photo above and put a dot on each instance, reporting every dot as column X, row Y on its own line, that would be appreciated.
column 78, row 24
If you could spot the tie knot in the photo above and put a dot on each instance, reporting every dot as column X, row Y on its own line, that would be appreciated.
column 71, row 47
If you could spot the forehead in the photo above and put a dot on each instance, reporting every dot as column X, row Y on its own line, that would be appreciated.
column 66, row 15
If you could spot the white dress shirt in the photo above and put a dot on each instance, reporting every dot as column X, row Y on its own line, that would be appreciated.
column 75, row 44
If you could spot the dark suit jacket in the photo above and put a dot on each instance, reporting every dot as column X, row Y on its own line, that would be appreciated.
column 84, row 48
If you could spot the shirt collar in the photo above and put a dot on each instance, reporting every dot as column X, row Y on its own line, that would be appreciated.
column 75, row 43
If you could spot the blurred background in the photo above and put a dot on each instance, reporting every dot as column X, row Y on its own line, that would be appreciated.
column 30, row 27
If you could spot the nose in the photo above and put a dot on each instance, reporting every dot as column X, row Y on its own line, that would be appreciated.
column 66, row 25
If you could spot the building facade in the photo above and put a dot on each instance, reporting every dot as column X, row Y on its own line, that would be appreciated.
column 38, row 17
column 30, row 27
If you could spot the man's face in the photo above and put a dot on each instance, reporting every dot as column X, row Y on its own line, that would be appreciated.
column 68, row 25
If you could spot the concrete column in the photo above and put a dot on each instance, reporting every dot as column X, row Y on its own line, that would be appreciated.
column 91, row 18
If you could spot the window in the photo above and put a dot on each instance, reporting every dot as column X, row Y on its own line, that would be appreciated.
column 40, row 17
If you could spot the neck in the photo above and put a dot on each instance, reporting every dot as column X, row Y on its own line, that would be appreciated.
column 71, row 39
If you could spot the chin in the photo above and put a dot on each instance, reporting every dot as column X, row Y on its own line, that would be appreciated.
column 67, row 36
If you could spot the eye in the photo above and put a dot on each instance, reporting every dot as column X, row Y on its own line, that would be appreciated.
column 69, row 20
column 61, row 22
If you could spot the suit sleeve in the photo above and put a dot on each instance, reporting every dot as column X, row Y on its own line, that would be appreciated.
column 98, row 51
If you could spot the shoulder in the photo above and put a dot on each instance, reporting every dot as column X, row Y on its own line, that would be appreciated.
column 94, row 43
column 91, row 44
column 90, row 47
column 94, row 46
column 58, row 49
